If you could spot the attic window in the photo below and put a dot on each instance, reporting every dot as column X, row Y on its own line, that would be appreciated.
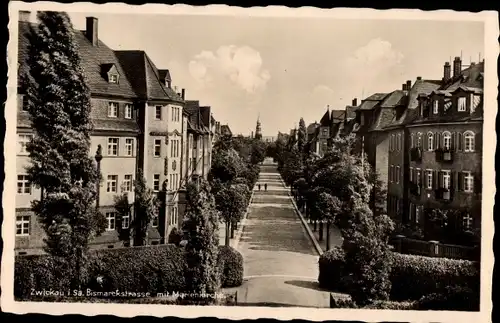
column 113, row 78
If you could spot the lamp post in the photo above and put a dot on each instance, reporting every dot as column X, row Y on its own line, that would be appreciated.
column 98, row 158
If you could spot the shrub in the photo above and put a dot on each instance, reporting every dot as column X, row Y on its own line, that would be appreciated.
column 331, row 269
column 412, row 277
column 416, row 276
column 452, row 299
column 175, row 236
column 391, row 305
column 230, row 266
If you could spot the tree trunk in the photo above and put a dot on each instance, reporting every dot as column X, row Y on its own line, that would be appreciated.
column 232, row 229
column 315, row 228
column 328, row 236
column 227, row 234
column 321, row 231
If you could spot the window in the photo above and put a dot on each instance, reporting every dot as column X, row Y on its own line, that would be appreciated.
column 417, row 214
column 155, row 221
column 23, row 141
column 156, row 182
column 111, row 183
column 25, row 103
column 127, row 183
column 158, row 112
column 126, row 221
column 110, row 218
column 418, row 175
column 113, row 110
column 176, row 215
column 176, row 113
column 430, row 141
column 469, row 141
column 461, row 104
column 399, row 142
column 22, row 225
column 435, row 107
column 419, row 140
column 446, row 140
column 467, row 221
column 468, row 182
column 411, row 174
column 446, row 179
column 391, row 173
column 128, row 111
column 112, row 146
column 23, row 184
column 429, row 179
column 113, row 78
column 129, row 147
column 157, row 148
column 398, row 173
column 412, row 140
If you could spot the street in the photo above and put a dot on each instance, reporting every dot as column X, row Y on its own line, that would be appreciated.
column 281, row 264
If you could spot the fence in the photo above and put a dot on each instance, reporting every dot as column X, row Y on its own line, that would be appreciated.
column 434, row 249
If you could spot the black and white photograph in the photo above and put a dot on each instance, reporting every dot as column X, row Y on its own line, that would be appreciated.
column 271, row 162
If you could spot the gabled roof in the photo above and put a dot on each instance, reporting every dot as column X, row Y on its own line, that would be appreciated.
column 471, row 77
column 195, row 122
column 393, row 99
column 224, row 129
column 164, row 75
column 311, row 129
column 372, row 101
column 145, row 77
column 93, row 58
column 325, row 120
column 351, row 111
column 337, row 115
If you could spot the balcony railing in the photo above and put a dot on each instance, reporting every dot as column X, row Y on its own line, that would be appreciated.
column 444, row 155
column 416, row 154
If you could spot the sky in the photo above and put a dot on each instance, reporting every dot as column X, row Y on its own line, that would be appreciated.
column 283, row 68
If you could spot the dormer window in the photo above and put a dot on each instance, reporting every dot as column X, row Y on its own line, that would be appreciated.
column 435, row 107
column 113, row 78
column 461, row 104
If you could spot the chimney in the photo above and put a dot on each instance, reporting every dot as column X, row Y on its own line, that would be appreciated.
column 354, row 102
column 24, row 15
column 419, row 78
column 457, row 66
column 404, row 87
column 447, row 71
column 472, row 63
column 91, row 31
column 183, row 94
column 408, row 85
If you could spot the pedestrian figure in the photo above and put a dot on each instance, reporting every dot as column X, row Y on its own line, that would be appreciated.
column 265, row 187
column 259, row 187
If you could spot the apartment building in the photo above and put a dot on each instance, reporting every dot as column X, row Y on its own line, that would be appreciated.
column 114, row 115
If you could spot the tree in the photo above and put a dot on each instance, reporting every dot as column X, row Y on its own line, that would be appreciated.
column 328, row 207
column 258, row 152
column 292, row 167
column 201, row 225
column 302, row 137
column 231, row 201
column 146, row 207
column 226, row 165
column 59, row 109
column 124, row 209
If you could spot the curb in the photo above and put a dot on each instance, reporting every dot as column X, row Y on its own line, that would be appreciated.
column 234, row 242
column 304, row 222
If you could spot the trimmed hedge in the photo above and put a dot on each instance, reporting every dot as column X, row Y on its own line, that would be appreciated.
column 153, row 269
column 412, row 277
column 230, row 266
column 453, row 299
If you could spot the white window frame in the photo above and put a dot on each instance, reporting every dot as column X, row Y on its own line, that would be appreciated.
column 411, row 174
column 113, row 78
column 129, row 146
column 157, row 148
column 428, row 178
column 398, row 173
column 113, row 145
column 110, row 221
column 158, row 108
column 435, row 107
column 419, row 176
column 462, row 104
column 155, row 221
column 391, row 173
column 156, row 182
column 125, row 221
column 467, row 221
column 23, row 140
column 110, row 180
column 127, row 182
column 23, row 225
column 430, row 141
column 128, row 111
column 469, row 141
column 399, row 142
column 468, row 182
column 25, row 188
column 113, row 109
column 419, row 140
column 447, row 139
column 446, row 179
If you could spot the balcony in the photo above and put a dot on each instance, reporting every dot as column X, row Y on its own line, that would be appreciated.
column 444, row 155
column 415, row 189
column 416, row 154
column 443, row 194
